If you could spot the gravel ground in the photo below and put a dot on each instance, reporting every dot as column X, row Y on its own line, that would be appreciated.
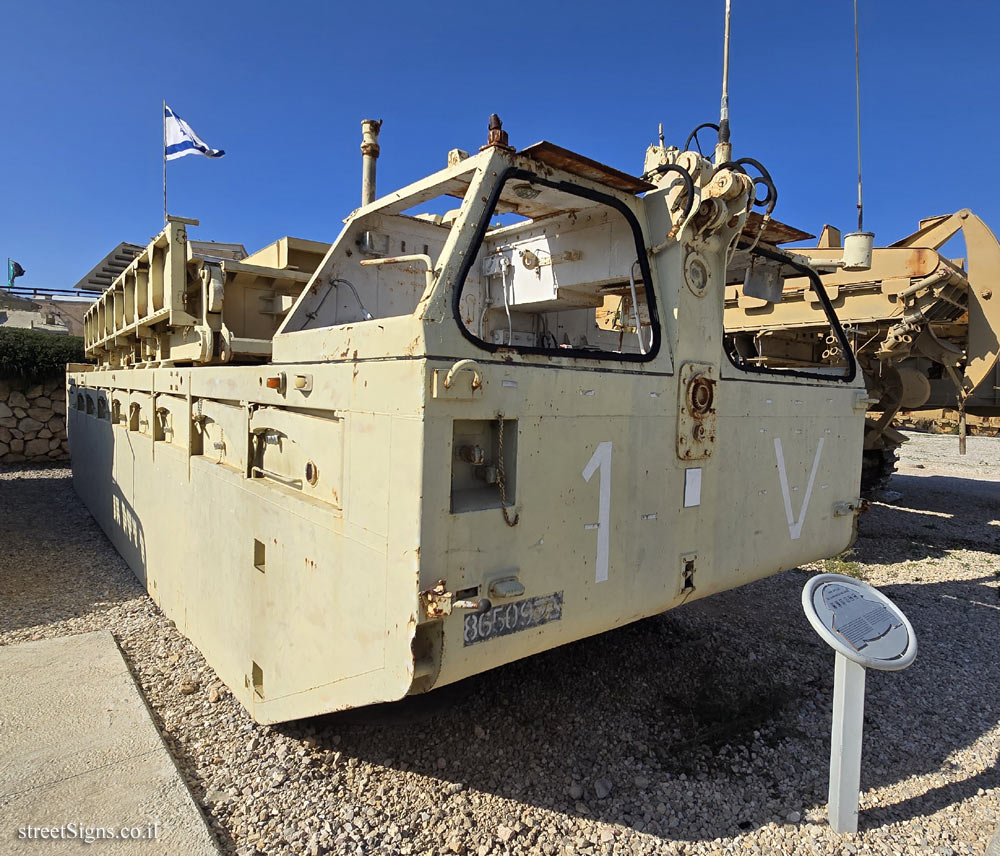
column 704, row 730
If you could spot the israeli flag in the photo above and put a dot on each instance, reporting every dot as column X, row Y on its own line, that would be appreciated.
column 179, row 139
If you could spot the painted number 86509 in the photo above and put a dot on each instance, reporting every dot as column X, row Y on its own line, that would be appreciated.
column 512, row 617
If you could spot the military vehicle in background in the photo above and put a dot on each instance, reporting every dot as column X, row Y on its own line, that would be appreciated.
column 922, row 324
column 948, row 421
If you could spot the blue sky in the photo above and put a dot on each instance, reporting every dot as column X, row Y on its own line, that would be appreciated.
column 283, row 87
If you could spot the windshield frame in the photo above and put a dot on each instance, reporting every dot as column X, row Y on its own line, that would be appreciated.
column 570, row 188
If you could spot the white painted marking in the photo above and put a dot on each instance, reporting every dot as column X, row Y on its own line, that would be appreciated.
column 601, row 459
column 509, row 383
column 795, row 525
column 692, row 487
column 591, row 525
column 649, row 516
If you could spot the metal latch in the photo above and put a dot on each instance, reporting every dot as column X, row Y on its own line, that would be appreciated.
column 438, row 602
column 845, row 509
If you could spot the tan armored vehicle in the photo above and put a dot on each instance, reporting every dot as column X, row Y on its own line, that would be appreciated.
column 923, row 325
column 355, row 471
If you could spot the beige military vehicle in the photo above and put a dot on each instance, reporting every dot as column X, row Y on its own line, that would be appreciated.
column 923, row 325
column 450, row 440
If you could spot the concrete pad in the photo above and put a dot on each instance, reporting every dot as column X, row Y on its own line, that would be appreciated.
column 79, row 753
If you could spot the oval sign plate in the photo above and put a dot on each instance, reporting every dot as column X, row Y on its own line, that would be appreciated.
column 859, row 622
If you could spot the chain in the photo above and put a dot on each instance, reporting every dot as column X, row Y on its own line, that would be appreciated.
column 502, row 478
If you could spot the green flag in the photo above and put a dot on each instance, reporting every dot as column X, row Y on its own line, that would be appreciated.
column 14, row 270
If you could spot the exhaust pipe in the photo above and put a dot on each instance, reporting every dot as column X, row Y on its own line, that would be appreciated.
column 369, row 154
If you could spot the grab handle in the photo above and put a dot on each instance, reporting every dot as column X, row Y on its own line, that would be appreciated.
column 461, row 366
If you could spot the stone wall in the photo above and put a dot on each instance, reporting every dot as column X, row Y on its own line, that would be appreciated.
column 33, row 420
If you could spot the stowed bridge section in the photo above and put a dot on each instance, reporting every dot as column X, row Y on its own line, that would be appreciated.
column 176, row 305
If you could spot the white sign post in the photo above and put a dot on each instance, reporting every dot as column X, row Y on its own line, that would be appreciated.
column 867, row 631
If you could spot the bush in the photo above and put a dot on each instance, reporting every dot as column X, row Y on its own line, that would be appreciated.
column 32, row 355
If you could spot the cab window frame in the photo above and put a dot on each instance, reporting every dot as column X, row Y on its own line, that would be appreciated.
column 816, row 284
column 479, row 236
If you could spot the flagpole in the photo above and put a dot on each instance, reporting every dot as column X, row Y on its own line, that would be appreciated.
column 163, row 116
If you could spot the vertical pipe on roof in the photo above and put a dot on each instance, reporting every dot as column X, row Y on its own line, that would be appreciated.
column 369, row 154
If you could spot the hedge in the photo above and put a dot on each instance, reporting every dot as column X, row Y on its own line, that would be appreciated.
column 32, row 355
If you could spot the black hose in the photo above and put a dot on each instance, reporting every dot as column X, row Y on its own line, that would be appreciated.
column 817, row 286
column 771, row 199
column 694, row 136
column 685, row 177
column 765, row 178
column 756, row 164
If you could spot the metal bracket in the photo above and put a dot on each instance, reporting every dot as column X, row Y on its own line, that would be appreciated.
column 214, row 287
column 506, row 587
column 862, row 401
column 696, row 412
column 436, row 601
column 846, row 509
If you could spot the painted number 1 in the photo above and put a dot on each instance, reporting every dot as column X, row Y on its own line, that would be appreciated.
column 601, row 460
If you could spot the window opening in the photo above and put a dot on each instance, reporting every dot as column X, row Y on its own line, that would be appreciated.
column 758, row 283
column 558, row 269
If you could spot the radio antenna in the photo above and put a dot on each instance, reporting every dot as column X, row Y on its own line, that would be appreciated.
column 858, row 245
column 857, row 82
column 724, row 151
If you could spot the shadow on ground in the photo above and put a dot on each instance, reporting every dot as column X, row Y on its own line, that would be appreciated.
column 53, row 561
column 931, row 515
column 723, row 703
column 685, row 700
